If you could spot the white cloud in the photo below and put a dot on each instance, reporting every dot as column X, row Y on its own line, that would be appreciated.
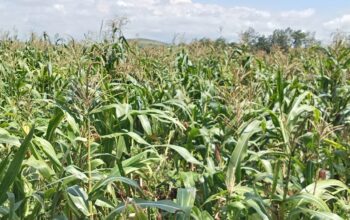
column 158, row 19
column 180, row 1
column 342, row 22
column 298, row 14
column 59, row 7
column 124, row 4
column 198, row 20
column 103, row 7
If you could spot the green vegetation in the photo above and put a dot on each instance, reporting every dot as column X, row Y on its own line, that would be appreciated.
column 284, row 39
column 142, row 42
column 203, row 131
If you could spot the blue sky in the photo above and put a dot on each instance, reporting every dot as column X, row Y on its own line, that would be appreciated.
column 325, row 8
column 321, row 5
column 181, row 19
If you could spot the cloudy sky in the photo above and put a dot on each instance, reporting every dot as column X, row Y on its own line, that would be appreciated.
column 164, row 19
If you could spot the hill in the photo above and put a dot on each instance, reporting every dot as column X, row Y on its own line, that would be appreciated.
column 144, row 42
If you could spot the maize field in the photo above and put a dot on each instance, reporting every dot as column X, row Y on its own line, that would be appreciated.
column 111, row 130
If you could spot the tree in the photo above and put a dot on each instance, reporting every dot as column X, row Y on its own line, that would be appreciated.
column 263, row 43
column 249, row 36
column 282, row 38
column 299, row 38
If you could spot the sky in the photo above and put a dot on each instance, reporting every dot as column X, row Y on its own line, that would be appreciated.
column 165, row 20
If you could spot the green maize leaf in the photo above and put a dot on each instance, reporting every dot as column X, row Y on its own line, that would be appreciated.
column 41, row 166
column 309, row 199
column 321, row 185
column 53, row 124
column 111, row 179
column 78, row 200
column 238, row 152
column 145, row 124
column 185, row 198
column 133, row 135
column 7, row 138
column 183, row 152
column 14, row 167
column 166, row 205
column 48, row 149
column 313, row 214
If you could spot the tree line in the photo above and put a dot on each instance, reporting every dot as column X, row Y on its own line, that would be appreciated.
column 283, row 39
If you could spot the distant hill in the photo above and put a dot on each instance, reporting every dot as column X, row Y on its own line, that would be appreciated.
column 143, row 42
